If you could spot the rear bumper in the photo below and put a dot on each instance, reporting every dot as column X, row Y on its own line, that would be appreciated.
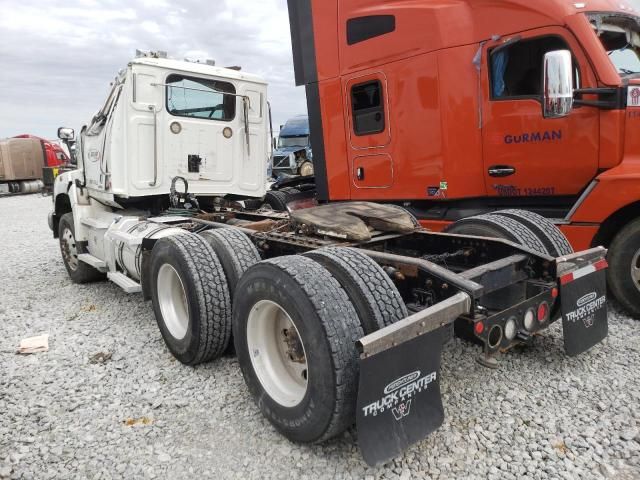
column 399, row 400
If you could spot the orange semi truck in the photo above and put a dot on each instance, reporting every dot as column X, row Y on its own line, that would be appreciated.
column 441, row 107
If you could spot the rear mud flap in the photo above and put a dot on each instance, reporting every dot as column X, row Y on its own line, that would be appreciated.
column 584, row 312
column 399, row 400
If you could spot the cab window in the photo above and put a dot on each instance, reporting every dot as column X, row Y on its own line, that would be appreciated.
column 367, row 108
column 200, row 98
column 516, row 70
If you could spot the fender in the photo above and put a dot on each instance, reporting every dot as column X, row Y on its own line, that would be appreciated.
column 616, row 188
column 80, row 202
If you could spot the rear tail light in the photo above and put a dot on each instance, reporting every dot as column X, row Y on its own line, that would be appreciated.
column 543, row 312
column 478, row 328
column 529, row 319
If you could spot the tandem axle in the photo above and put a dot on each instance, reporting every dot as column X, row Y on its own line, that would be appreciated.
column 277, row 281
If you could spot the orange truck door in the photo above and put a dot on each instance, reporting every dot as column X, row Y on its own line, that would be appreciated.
column 367, row 116
column 525, row 154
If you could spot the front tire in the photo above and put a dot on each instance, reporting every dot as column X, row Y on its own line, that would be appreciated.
column 623, row 275
column 79, row 271
column 295, row 332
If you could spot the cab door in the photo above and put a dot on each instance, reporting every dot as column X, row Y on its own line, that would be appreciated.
column 367, row 113
column 524, row 154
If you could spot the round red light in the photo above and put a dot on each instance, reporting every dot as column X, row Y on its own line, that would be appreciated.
column 554, row 292
column 479, row 328
column 543, row 311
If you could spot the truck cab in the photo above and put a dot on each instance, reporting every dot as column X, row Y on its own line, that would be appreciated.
column 441, row 108
column 163, row 119
column 293, row 155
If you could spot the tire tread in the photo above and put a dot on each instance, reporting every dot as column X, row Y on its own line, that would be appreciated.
column 384, row 305
column 555, row 240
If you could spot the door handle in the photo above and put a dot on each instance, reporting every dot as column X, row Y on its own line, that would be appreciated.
column 360, row 173
column 501, row 170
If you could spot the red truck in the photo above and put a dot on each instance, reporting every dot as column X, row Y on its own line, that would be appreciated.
column 54, row 154
column 441, row 107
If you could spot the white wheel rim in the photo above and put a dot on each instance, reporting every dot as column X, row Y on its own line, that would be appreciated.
column 172, row 298
column 277, row 353
column 635, row 269
column 69, row 250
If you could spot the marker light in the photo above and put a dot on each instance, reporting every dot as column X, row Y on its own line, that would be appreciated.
column 479, row 328
column 529, row 319
column 510, row 329
column 175, row 127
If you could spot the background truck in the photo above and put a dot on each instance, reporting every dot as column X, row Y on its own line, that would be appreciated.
column 21, row 164
column 440, row 107
column 293, row 155
column 338, row 312
column 55, row 154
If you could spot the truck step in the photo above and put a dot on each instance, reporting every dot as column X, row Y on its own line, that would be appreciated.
column 95, row 262
column 124, row 282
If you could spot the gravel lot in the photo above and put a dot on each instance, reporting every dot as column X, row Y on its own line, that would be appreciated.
column 141, row 414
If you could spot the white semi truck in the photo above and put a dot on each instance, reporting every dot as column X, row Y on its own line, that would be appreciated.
column 338, row 312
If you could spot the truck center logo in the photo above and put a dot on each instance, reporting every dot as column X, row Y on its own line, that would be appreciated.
column 589, row 297
column 634, row 97
column 587, row 306
column 399, row 394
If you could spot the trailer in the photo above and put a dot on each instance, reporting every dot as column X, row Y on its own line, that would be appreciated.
column 21, row 164
column 338, row 312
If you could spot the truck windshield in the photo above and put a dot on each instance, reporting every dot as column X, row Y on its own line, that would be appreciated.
column 620, row 36
column 285, row 142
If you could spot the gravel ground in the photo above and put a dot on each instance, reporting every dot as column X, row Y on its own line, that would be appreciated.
column 141, row 414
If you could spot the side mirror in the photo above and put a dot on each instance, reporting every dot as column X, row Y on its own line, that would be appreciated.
column 275, row 143
column 557, row 99
column 65, row 133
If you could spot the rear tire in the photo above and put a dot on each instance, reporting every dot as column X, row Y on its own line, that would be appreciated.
column 623, row 275
column 277, row 200
column 79, row 272
column 297, row 292
column 372, row 293
column 553, row 238
column 190, row 298
column 235, row 251
column 496, row 226
column 289, row 190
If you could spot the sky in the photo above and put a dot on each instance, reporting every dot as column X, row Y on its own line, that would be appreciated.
column 58, row 57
